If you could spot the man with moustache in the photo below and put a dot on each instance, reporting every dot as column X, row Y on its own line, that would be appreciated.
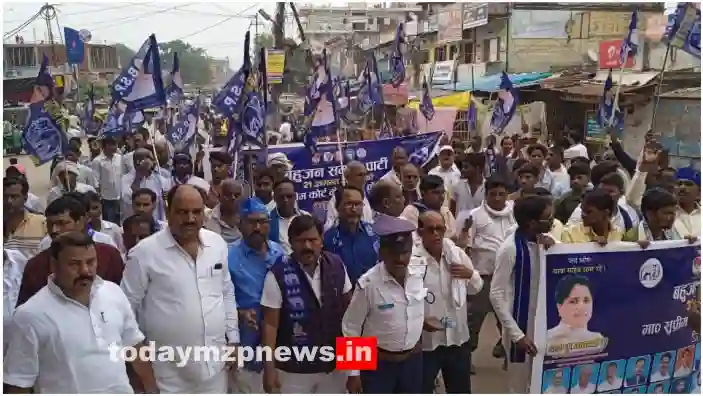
column 398, row 160
column 304, row 298
column 388, row 304
column 144, row 175
column 224, row 219
column 250, row 259
column 62, row 338
column 178, row 282
column 220, row 162
column 286, row 210
column 449, row 277
column 557, row 386
column 410, row 176
column 67, row 214
column 355, row 176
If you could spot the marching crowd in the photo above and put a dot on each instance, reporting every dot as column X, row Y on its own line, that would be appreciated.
column 134, row 245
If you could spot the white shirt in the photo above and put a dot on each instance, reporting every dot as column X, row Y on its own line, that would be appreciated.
column 333, row 215
column 57, row 192
column 486, row 234
column 272, row 297
column 450, row 176
column 382, row 308
column 658, row 376
column 561, row 181
column 466, row 199
column 555, row 390
column 688, row 223
column 128, row 163
column 86, row 175
column 447, row 294
column 109, row 172
column 155, row 183
column 114, row 232
column 616, row 219
column 682, row 371
column 283, row 224
column 590, row 388
column 607, row 386
column 34, row 203
column 98, row 237
column 13, row 269
column 577, row 150
column 181, row 301
column 61, row 346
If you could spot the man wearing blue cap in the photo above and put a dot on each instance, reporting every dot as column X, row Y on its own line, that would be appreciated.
column 388, row 304
column 250, row 259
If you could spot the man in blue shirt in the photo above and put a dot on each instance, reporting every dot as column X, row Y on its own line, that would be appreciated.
column 249, row 261
column 351, row 238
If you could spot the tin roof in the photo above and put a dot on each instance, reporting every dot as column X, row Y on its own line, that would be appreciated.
column 586, row 84
column 683, row 93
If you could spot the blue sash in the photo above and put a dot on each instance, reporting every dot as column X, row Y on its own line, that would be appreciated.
column 421, row 207
column 625, row 218
column 521, row 291
column 293, row 293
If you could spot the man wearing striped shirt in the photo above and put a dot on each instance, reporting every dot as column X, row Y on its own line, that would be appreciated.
column 23, row 229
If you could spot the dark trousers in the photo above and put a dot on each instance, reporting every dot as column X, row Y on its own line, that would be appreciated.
column 111, row 211
column 394, row 377
column 454, row 362
column 479, row 307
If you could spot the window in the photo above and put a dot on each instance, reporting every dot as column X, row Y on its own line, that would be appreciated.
column 491, row 50
column 371, row 21
column 440, row 54
column 97, row 58
column 452, row 51
column 20, row 57
column 358, row 26
column 468, row 51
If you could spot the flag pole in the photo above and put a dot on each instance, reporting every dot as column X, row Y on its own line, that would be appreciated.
column 659, row 86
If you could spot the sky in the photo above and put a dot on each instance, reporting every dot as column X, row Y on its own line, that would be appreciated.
column 131, row 23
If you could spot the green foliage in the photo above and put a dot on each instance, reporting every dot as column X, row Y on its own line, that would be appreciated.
column 264, row 40
column 194, row 62
column 124, row 53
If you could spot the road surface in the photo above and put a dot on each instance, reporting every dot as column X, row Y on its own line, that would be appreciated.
column 490, row 377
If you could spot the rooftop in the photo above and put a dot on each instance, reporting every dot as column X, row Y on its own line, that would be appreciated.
column 683, row 93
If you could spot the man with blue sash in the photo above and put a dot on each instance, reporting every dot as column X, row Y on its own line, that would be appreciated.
column 303, row 302
column 515, row 284
column 351, row 237
column 389, row 305
column 249, row 260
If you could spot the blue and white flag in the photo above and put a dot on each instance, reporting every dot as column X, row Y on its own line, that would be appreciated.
column 140, row 85
column 684, row 29
column 472, row 114
column 75, row 47
column 397, row 64
column 629, row 44
column 343, row 100
column 608, row 105
column 320, row 104
column 426, row 105
column 229, row 99
column 370, row 92
column 182, row 134
column 174, row 90
column 253, row 116
column 120, row 121
column 505, row 106
column 43, row 138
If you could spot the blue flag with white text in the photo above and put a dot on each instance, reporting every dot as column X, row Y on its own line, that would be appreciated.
column 140, row 85
column 75, row 47
column 505, row 106
column 182, row 134
column 683, row 30
column 174, row 90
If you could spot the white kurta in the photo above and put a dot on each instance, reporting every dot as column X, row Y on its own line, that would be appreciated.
column 502, row 291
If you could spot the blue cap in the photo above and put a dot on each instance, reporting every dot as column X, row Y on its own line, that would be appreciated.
column 394, row 233
column 689, row 174
column 252, row 205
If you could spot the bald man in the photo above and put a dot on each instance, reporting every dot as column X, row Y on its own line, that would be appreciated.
column 179, row 302
column 354, row 175
column 224, row 219
column 163, row 154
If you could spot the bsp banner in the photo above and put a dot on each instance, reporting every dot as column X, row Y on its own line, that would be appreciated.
column 317, row 176
column 616, row 320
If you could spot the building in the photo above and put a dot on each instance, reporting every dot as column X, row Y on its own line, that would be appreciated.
column 21, row 62
column 219, row 71
column 346, row 31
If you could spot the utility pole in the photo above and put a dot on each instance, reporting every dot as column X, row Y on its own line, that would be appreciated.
column 278, row 37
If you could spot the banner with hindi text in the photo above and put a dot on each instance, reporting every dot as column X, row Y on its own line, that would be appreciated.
column 614, row 319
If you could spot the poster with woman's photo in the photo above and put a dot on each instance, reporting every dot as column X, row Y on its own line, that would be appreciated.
column 615, row 319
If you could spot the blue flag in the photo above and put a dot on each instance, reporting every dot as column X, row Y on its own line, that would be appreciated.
column 370, row 92
column 140, row 85
column 386, row 130
column 323, row 112
column 75, row 47
column 120, row 122
column 608, row 105
column 471, row 114
column 684, row 29
column 253, row 116
column 342, row 89
column 505, row 106
column 629, row 44
column 174, row 90
column 397, row 63
column 182, row 134
column 228, row 100
column 426, row 105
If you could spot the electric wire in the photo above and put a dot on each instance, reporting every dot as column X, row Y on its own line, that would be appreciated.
column 129, row 19
column 216, row 24
column 22, row 26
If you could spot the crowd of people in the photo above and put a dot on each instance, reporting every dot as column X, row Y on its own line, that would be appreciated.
column 134, row 244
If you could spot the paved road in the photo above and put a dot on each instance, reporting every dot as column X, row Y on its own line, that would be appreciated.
column 490, row 377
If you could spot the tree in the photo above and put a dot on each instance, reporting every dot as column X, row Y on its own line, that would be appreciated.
column 264, row 40
column 124, row 53
column 194, row 62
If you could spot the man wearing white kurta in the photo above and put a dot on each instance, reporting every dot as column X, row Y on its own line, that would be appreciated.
column 518, row 266
column 449, row 276
column 178, row 283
